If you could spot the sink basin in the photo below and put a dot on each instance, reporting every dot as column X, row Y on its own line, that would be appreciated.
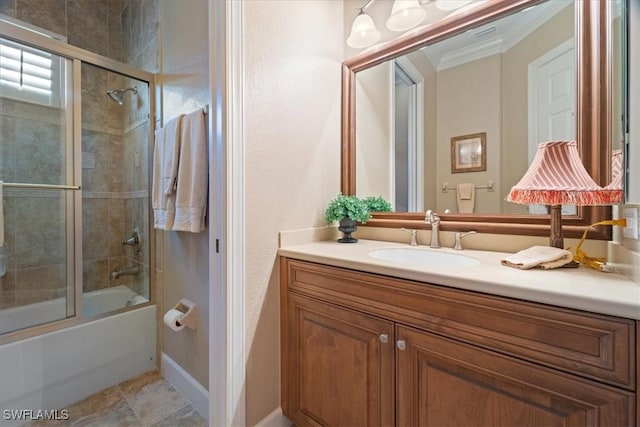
column 423, row 258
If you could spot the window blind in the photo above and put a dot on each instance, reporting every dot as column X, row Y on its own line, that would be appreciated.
column 28, row 74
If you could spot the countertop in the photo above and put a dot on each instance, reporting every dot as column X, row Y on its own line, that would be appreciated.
column 579, row 288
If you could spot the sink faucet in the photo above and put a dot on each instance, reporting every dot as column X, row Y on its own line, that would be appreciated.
column 433, row 219
column 458, row 243
column 414, row 236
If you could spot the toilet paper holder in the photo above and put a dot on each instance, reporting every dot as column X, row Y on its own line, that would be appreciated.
column 187, row 307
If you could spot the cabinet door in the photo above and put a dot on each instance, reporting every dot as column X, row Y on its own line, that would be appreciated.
column 338, row 366
column 442, row 382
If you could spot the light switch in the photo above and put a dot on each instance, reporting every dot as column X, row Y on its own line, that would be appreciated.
column 631, row 229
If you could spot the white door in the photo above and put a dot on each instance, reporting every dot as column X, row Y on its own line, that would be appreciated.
column 552, row 103
column 407, row 183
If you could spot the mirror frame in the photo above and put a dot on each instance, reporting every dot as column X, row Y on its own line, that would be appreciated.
column 593, row 118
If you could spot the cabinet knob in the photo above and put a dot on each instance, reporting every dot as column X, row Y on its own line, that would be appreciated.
column 384, row 338
column 401, row 344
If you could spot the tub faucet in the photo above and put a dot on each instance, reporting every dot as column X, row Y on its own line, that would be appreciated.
column 134, row 270
column 433, row 219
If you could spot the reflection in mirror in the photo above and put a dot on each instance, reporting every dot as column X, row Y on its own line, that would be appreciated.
column 592, row 119
column 619, row 113
column 632, row 159
column 512, row 79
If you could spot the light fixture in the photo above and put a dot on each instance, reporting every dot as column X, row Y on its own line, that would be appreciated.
column 405, row 14
column 451, row 4
column 557, row 177
column 363, row 31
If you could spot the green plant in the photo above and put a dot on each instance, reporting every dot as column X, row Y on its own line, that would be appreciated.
column 347, row 206
column 377, row 204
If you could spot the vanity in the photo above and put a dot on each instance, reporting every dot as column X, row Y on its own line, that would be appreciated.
column 368, row 341
column 375, row 334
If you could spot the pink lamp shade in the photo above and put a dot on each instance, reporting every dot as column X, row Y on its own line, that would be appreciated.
column 557, row 177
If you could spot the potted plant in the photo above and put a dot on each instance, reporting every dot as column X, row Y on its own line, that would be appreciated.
column 347, row 210
column 377, row 204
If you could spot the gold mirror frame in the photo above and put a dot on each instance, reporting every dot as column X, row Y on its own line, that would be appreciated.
column 593, row 118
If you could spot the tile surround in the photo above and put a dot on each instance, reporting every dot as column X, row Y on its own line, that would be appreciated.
column 124, row 30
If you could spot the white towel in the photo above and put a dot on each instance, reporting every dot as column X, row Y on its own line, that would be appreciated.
column 544, row 257
column 165, row 169
column 193, row 175
column 466, row 197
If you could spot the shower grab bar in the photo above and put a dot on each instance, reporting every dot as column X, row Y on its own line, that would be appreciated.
column 40, row 186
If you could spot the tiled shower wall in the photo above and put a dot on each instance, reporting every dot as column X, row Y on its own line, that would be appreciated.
column 115, row 153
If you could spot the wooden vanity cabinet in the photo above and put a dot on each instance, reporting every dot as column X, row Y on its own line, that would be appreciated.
column 356, row 353
column 340, row 365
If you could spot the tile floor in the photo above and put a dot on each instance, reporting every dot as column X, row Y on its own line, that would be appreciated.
column 146, row 400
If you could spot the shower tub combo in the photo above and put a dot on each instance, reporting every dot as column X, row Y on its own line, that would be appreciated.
column 76, row 313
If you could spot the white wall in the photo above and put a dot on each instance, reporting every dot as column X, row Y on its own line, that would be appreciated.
column 373, row 135
column 625, row 253
column 182, row 258
column 292, row 57
column 468, row 104
column 634, row 100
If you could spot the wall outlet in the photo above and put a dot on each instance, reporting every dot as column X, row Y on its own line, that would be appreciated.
column 631, row 230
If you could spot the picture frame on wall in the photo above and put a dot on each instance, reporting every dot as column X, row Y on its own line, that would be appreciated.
column 468, row 153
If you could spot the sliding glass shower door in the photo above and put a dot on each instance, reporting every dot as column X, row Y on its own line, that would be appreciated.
column 36, row 167
column 75, row 138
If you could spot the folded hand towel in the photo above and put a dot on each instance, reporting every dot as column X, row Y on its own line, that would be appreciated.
column 466, row 197
column 193, row 175
column 465, row 190
column 544, row 257
column 165, row 169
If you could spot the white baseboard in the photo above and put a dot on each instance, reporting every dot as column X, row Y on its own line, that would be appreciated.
column 181, row 380
column 275, row 419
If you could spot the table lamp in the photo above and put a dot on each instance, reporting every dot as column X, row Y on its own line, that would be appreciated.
column 557, row 177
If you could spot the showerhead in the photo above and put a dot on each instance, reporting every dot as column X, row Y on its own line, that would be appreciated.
column 118, row 94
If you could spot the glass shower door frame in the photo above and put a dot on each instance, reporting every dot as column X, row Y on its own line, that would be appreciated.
column 73, row 171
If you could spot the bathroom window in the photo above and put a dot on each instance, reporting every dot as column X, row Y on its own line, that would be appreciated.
column 29, row 74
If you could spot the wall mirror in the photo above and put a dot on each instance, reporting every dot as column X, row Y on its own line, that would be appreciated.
column 465, row 101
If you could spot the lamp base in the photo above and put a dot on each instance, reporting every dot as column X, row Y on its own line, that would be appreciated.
column 556, row 238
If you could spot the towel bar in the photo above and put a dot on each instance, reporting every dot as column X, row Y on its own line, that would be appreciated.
column 40, row 186
column 488, row 186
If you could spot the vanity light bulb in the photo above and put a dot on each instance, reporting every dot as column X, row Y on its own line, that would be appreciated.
column 405, row 14
column 363, row 32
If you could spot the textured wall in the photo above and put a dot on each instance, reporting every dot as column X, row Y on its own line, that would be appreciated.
column 183, row 266
column 292, row 58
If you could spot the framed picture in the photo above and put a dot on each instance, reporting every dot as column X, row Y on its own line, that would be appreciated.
column 468, row 153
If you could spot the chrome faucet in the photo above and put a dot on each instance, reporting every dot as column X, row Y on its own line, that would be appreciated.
column 433, row 219
column 134, row 270
column 414, row 236
column 458, row 243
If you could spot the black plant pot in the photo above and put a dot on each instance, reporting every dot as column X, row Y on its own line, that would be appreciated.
column 347, row 226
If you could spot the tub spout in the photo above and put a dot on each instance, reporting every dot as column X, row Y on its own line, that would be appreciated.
column 134, row 270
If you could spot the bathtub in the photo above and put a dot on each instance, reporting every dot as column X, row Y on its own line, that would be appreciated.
column 93, row 303
column 56, row 369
